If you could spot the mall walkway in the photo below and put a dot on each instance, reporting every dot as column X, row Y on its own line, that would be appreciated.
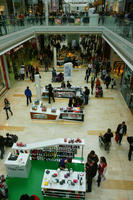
column 100, row 114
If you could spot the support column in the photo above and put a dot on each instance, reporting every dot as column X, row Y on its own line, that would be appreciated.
column 38, row 88
column 46, row 12
column 38, row 44
column 55, row 58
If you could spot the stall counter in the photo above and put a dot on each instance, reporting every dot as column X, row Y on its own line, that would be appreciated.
column 19, row 167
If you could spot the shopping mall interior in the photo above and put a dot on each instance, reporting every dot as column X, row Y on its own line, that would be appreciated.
column 55, row 37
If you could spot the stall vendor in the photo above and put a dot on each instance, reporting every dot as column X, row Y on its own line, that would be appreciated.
column 63, row 162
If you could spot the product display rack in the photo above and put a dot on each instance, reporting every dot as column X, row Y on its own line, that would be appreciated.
column 64, row 92
column 52, row 188
column 52, row 149
column 74, row 113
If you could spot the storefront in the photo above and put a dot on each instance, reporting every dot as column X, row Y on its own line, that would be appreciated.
column 127, row 87
column 3, row 76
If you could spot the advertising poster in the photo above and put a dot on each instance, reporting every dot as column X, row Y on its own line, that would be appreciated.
column 68, row 71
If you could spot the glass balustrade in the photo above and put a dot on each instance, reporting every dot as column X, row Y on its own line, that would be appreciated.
column 122, row 27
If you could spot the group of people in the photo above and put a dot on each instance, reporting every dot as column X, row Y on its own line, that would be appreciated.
column 92, row 167
column 29, row 71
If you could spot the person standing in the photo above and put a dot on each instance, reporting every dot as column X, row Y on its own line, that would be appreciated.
column 121, row 130
column 7, row 107
column 87, row 75
column 89, row 174
column 50, row 93
column 92, row 86
column 107, row 81
column 1, row 146
column 3, row 21
column 86, row 94
column 28, row 95
column 101, row 170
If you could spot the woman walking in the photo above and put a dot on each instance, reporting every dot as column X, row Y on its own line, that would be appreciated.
column 7, row 107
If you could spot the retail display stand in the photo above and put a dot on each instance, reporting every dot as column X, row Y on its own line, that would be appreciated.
column 52, row 149
column 64, row 92
column 38, row 112
column 64, row 184
column 18, row 166
column 75, row 113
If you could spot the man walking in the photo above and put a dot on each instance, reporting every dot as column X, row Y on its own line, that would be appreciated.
column 121, row 130
column 28, row 95
column 50, row 93
column 86, row 94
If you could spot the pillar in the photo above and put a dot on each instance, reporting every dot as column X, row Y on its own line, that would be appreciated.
column 55, row 58
column 46, row 12
column 38, row 87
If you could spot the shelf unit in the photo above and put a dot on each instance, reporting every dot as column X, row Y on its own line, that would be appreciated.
column 52, row 149
column 72, row 114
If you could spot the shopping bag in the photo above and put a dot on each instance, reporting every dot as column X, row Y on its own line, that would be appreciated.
column 116, row 137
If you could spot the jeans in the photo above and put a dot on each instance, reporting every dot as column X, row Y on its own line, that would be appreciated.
column 7, row 112
column 51, row 95
column 86, row 99
column 120, row 136
column 28, row 99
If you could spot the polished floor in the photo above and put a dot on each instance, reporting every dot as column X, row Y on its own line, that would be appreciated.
column 100, row 114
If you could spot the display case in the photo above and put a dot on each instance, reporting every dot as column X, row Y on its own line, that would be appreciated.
column 64, row 92
column 64, row 184
column 39, row 111
column 74, row 113
column 18, row 166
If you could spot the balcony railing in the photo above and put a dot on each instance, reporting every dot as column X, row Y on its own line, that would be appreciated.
column 121, row 26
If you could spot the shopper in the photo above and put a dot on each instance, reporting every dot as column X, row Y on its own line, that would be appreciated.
column 68, row 85
column 98, row 82
column 63, row 85
column 107, row 81
column 63, row 162
column 1, row 146
column 28, row 95
column 92, row 156
column 121, row 130
column 102, row 168
column 92, row 86
column 89, row 174
column 86, row 94
column 107, row 138
column 50, row 93
column 53, row 75
column 34, row 197
column 22, row 72
column 130, row 141
column 7, row 107
column 87, row 74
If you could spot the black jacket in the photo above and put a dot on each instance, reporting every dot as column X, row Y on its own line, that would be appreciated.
column 124, row 129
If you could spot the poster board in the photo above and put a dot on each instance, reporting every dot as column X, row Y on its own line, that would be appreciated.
column 68, row 71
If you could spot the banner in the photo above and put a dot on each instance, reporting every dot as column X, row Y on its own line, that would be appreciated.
column 68, row 71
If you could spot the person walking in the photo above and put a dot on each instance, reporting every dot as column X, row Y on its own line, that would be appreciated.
column 7, row 107
column 28, row 95
column 101, row 170
column 89, row 174
column 92, row 86
column 1, row 146
column 50, row 93
column 121, row 130
column 130, row 141
column 86, row 94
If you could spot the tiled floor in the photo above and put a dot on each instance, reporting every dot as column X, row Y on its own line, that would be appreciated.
column 100, row 114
